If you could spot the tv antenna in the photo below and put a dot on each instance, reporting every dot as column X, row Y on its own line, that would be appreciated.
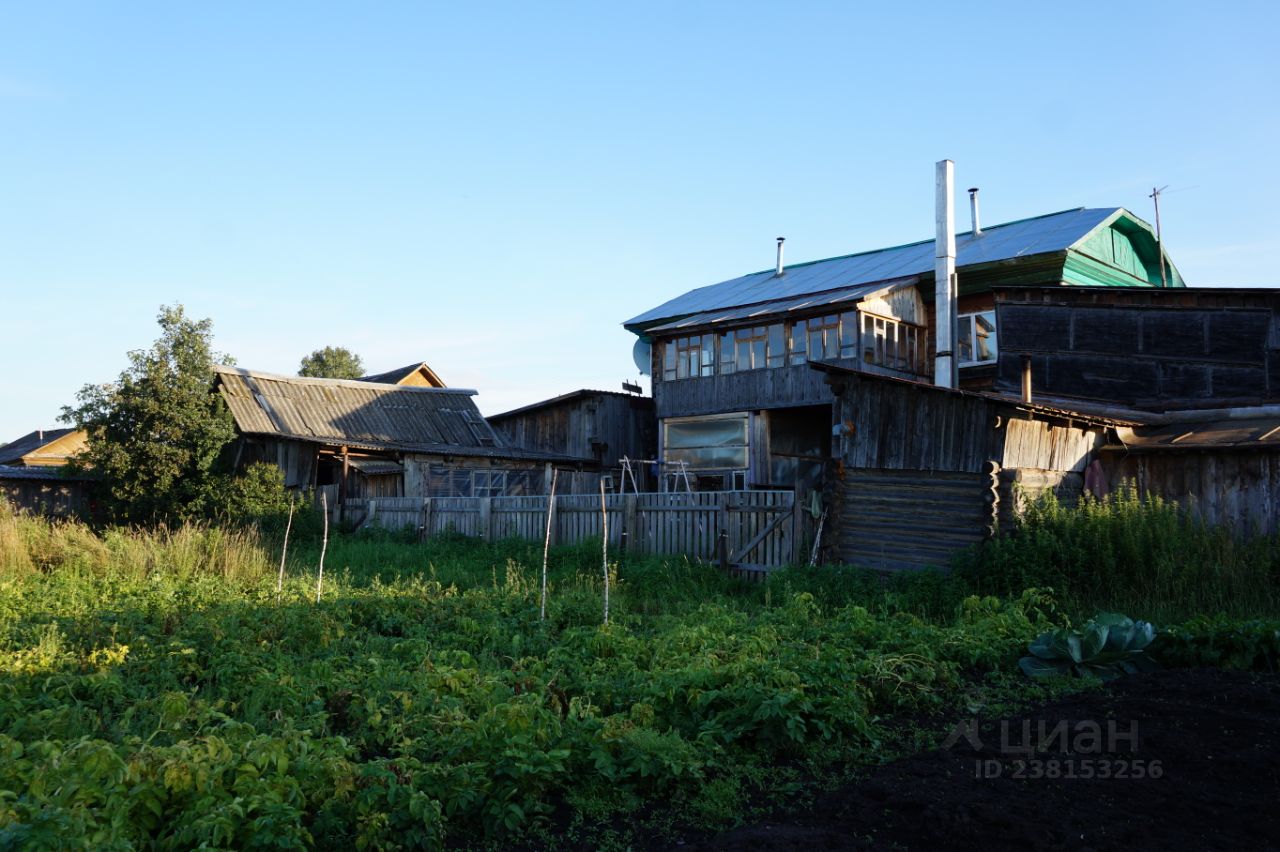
column 1155, row 198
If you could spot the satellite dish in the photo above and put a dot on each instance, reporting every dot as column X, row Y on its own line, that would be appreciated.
column 642, row 354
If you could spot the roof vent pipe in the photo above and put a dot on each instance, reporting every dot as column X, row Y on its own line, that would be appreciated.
column 781, row 240
column 973, row 210
column 944, row 275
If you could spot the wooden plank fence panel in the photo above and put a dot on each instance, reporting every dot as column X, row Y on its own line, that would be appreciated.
column 659, row 524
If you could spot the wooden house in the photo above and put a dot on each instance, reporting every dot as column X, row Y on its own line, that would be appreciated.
column 736, row 400
column 43, row 448
column 605, row 426
column 412, row 375
column 378, row 440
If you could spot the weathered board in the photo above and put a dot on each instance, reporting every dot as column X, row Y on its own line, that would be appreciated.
column 758, row 526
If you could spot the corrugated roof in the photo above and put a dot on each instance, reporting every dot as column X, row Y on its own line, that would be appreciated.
column 361, row 414
column 1259, row 433
column 42, row 473
column 1054, row 232
column 15, row 450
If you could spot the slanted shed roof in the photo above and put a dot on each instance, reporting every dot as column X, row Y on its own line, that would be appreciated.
column 14, row 451
column 337, row 412
column 563, row 398
column 419, row 375
column 1257, row 433
column 1053, row 233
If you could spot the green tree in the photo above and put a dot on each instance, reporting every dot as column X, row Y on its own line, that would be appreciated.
column 155, row 435
column 332, row 362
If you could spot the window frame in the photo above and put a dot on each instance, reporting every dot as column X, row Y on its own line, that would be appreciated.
column 971, row 319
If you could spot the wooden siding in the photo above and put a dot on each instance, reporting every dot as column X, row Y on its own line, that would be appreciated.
column 1039, row 445
column 1159, row 348
column 52, row 497
column 902, row 519
column 1236, row 489
column 759, row 526
column 600, row 426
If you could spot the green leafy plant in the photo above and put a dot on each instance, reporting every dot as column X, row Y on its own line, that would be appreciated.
column 1107, row 647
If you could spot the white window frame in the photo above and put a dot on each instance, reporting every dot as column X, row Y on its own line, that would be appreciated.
column 973, row 337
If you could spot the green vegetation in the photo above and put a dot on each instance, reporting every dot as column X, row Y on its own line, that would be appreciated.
column 1105, row 647
column 332, row 362
column 1145, row 557
column 156, row 435
column 155, row 690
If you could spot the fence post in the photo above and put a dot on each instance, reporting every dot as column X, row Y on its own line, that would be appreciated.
column 798, row 528
column 722, row 527
column 486, row 518
column 628, row 520
column 425, row 531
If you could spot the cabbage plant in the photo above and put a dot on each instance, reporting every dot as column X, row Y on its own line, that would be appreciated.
column 1108, row 646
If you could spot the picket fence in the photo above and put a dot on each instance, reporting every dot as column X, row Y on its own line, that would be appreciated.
column 742, row 529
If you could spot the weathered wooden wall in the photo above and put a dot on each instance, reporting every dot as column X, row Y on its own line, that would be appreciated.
column 1165, row 349
column 759, row 526
column 927, row 471
column 52, row 496
column 907, row 519
column 1232, row 488
column 592, row 425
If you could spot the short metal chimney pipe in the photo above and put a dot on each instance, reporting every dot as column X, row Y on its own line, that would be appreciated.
column 781, row 240
column 944, row 275
column 973, row 211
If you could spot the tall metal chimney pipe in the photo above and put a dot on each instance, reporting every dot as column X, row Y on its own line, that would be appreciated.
column 973, row 211
column 944, row 273
column 781, row 240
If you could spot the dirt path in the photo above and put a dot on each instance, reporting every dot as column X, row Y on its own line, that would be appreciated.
column 1211, row 737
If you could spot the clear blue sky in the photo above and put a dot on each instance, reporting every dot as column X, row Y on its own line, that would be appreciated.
column 493, row 188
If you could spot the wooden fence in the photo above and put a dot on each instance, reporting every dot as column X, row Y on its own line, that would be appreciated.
column 744, row 529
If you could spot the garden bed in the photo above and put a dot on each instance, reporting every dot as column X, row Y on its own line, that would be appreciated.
column 1214, row 736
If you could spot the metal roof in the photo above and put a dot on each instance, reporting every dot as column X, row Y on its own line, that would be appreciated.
column 799, row 303
column 1054, row 232
column 15, row 450
column 1258, row 433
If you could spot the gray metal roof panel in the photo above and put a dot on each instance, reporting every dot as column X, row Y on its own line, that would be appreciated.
column 1243, row 434
column 795, row 303
column 1025, row 238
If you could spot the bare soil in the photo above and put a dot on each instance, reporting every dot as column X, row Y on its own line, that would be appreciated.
column 1214, row 736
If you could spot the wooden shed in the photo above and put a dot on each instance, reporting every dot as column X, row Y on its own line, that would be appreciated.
column 43, row 448
column 923, row 471
column 378, row 440
column 605, row 426
column 45, row 490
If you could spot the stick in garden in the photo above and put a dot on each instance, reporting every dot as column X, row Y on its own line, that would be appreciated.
column 284, row 551
column 546, row 545
column 324, row 542
column 604, row 528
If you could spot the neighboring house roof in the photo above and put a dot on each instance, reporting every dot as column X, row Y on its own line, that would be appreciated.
column 563, row 398
column 416, row 375
column 44, row 473
column 363, row 415
column 1054, row 233
column 43, row 447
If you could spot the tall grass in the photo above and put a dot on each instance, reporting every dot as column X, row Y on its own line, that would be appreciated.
column 31, row 544
column 1144, row 556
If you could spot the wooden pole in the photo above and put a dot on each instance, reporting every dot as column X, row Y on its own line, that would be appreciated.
column 604, row 535
column 324, row 542
column 284, row 551
column 546, row 544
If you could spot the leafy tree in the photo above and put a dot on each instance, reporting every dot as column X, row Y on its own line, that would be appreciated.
column 155, row 435
column 332, row 362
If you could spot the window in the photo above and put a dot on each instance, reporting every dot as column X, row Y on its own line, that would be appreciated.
column 751, row 345
column 824, row 337
column 689, row 356
column 705, row 443
column 976, row 338
column 849, row 335
column 889, row 343
column 799, row 339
